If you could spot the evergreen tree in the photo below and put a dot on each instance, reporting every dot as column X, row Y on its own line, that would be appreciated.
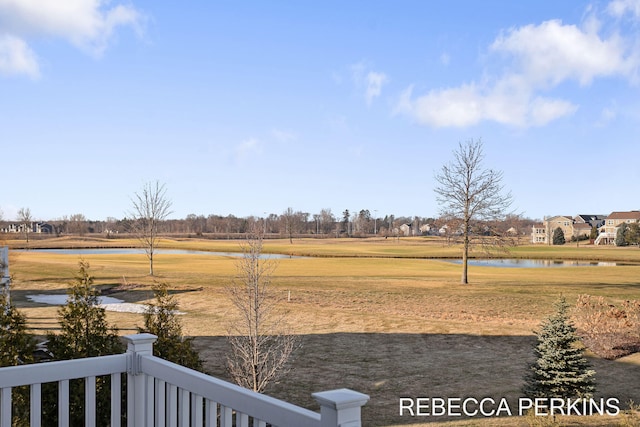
column 561, row 369
column 17, row 344
column 621, row 239
column 16, row 348
column 632, row 236
column 84, row 333
column 558, row 236
column 83, row 323
column 161, row 319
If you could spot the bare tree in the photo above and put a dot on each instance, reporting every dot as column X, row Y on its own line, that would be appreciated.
column 327, row 221
column 150, row 207
column 288, row 222
column 78, row 224
column 24, row 216
column 260, row 339
column 468, row 192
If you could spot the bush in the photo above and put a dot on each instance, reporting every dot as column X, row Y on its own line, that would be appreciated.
column 610, row 331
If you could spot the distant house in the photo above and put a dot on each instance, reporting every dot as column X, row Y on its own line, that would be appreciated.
column 406, row 229
column 596, row 221
column 43, row 227
column 572, row 227
column 426, row 229
column 34, row 227
column 607, row 233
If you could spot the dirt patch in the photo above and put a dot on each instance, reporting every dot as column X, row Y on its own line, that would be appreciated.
column 390, row 366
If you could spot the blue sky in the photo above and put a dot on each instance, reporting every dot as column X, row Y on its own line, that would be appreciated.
column 250, row 107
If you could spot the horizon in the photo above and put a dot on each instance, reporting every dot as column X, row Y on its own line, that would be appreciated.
column 235, row 106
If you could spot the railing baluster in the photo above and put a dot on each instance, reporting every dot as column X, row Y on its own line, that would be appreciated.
column 259, row 423
column 211, row 413
column 161, row 403
column 172, row 406
column 226, row 416
column 5, row 407
column 90, row 401
column 116, row 394
column 63, row 403
column 242, row 420
column 184, row 407
column 150, row 400
column 36, row 405
column 196, row 412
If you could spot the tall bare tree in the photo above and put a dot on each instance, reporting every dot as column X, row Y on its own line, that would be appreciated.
column 26, row 220
column 468, row 192
column 150, row 208
column 289, row 223
column 260, row 339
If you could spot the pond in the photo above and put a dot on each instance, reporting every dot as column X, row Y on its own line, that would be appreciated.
column 138, row 251
column 108, row 303
column 534, row 263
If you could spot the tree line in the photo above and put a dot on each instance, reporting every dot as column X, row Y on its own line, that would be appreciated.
column 289, row 223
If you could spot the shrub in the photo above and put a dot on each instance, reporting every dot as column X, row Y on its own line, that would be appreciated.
column 610, row 331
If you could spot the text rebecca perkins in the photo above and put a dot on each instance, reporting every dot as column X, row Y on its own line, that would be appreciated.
column 489, row 407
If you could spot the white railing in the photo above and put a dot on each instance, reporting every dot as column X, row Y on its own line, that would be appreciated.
column 607, row 236
column 161, row 393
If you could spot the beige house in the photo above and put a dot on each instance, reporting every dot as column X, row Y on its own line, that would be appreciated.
column 572, row 227
column 608, row 231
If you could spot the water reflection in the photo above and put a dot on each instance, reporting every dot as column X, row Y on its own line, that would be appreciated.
column 535, row 263
column 138, row 251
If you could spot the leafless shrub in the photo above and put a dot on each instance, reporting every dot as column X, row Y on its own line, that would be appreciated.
column 610, row 331
column 260, row 337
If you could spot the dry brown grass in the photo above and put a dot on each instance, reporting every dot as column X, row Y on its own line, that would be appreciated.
column 385, row 323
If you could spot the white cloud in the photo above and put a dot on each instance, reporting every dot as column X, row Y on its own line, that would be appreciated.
column 468, row 105
column 445, row 58
column 374, row 85
column 87, row 24
column 17, row 58
column 551, row 52
column 538, row 59
column 619, row 8
column 283, row 135
column 248, row 147
column 607, row 115
column 372, row 81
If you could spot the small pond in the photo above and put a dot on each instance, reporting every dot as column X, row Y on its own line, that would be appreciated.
column 534, row 263
column 138, row 251
column 108, row 303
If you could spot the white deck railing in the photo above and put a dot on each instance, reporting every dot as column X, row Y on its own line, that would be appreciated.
column 161, row 393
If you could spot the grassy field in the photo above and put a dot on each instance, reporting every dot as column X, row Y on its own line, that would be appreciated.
column 386, row 317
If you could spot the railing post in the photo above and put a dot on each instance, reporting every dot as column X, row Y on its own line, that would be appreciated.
column 138, row 345
column 340, row 408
